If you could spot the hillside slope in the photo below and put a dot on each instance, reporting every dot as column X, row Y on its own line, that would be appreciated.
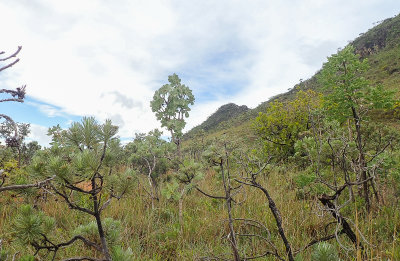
column 224, row 113
column 380, row 45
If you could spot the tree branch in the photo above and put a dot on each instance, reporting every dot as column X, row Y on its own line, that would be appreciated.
column 208, row 195
column 11, row 56
column 18, row 187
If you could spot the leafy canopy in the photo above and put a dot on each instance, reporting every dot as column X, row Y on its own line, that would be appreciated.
column 348, row 90
column 282, row 123
column 171, row 105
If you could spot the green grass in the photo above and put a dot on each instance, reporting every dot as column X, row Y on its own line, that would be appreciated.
column 155, row 234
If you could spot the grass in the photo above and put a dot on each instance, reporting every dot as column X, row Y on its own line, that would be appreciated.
column 155, row 234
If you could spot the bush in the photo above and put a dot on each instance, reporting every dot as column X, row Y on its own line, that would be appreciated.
column 324, row 252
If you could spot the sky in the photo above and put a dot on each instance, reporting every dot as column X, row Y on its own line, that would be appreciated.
column 106, row 58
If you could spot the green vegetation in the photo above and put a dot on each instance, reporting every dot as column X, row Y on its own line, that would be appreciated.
column 171, row 105
column 224, row 113
column 283, row 123
column 312, row 174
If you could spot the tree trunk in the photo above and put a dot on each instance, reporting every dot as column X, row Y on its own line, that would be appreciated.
column 98, row 220
column 151, row 191
column 326, row 201
column 227, row 188
column 361, row 160
column 232, row 238
column 102, row 237
column 278, row 220
column 19, row 156
column 180, row 203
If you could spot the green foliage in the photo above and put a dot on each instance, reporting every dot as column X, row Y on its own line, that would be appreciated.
column 29, row 226
column 77, row 152
column 3, row 255
column 304, row 179
column 120, row 183
column 119, row 254
column 57, row 134
column 190, row 171
column 112, row 230
column 82, row 160
column 170, row 191
column 324, row 252
column 171, row 105
column 219, row 149
column 299, row 257
column 27, row 258
column 147, row 153
column 7, row 130
column 188, row 174
column 280, row 126
column 29, row 150
column 316, row 148
column 350, row 94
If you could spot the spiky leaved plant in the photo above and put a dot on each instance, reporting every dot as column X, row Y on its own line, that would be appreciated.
column 324, row 252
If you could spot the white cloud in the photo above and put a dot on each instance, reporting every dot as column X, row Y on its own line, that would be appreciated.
column 39, row 134
column 106, row 59
column 46, row 109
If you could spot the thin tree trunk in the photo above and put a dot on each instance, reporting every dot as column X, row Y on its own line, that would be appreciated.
column 361, row 161
column 102, row 237
column 98, row 221
column 151, row 191
column 228, row 200
column 180, row 203
column 278, row 219
column 19, row 156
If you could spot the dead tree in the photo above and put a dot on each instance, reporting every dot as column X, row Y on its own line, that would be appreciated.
column 219, row 156
column 251, row 170
column 17, row 95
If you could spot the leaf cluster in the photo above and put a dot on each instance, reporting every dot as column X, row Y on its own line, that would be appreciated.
column 171, row 105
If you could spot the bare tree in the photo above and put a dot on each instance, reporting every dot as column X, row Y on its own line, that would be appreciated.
column 17, row 95
column 220, row 157
column 250, row 171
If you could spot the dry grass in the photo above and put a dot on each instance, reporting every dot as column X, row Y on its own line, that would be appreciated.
column 155, row 235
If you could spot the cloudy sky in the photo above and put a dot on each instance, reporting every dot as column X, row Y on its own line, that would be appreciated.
column 106, row 58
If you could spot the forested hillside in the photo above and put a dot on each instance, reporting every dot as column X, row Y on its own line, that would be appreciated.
column 311, row 174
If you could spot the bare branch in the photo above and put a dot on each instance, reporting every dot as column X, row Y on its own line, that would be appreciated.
column 12, row 55
column 19, row 187
column 8, row 65
column 315, row 241
column 208, row 195
column 72, row 205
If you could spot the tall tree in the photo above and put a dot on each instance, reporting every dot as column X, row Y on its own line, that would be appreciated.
column 171, row 105
column 350, row 97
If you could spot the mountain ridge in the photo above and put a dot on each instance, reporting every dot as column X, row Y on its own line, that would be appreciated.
column 380, row 44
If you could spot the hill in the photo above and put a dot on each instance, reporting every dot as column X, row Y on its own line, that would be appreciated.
column 224, row 113
column 380, row 45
